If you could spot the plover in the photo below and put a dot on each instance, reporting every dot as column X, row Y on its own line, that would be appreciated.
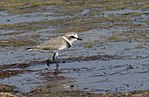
column 57, row 44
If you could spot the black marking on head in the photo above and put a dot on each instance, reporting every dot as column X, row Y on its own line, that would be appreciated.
column 73, row 37
column 28, row 48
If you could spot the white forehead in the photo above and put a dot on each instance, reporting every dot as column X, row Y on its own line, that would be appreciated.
column 75, row 35
column 72, row 34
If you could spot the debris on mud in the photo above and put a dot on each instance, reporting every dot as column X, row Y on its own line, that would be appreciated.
column 7, row 88
column 98, row 57
column 47, row 93
column 9, row 73
column 2, row 94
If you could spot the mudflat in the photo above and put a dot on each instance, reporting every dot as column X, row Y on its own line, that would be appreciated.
column 111, row 61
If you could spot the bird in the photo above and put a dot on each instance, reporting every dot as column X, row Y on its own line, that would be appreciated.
column 57, row 44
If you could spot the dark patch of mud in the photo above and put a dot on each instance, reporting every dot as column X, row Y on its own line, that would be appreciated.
column 97, row 57
column 9, row 91
column 46, row 93
column 66, row 60
column 87, row 58
column 2, row 94
column 10, row 73
column 15, row 43
column 7, row 88
column 12, row 66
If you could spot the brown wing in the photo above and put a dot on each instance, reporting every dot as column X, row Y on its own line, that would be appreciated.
column 52, row 44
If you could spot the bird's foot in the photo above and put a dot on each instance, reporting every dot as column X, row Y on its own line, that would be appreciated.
column 57, row 65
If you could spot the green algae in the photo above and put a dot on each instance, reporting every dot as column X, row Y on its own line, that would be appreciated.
column 81, row 23
column 15, row 42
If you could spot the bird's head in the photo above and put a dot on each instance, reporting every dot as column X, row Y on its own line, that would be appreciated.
column 72, row 36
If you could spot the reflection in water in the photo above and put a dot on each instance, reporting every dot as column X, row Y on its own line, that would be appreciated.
column 53, row 80
column 56, row 63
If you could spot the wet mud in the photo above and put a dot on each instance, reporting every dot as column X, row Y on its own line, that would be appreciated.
column 111, row 61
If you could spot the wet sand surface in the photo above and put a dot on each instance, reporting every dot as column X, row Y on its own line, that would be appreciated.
column 111, row 61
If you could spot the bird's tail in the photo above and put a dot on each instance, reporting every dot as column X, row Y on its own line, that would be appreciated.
column 34, row 49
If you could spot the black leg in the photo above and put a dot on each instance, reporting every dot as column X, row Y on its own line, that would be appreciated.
column 48, row 62
column 57, row 65
column 54, row 57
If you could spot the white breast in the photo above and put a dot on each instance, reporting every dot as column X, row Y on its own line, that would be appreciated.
column 63, row 46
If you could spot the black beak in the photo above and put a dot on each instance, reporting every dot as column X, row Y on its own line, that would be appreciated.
column 79, row 39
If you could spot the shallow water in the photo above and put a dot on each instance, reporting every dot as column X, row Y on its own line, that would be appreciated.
column 113, row 75
column 6, row 18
